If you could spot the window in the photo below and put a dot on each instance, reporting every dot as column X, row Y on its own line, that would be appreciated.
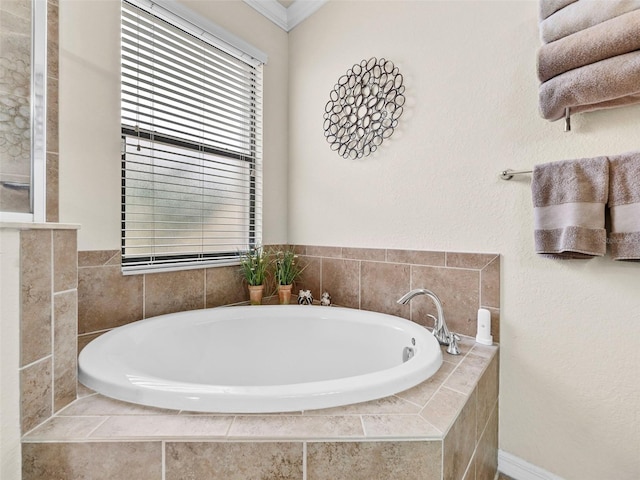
column 191, row 147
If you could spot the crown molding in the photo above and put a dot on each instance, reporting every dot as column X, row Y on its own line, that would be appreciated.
column 300, row 10
column 286, row 18
column 271, row 9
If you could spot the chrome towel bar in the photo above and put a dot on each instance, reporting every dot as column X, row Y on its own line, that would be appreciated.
column 508, row 174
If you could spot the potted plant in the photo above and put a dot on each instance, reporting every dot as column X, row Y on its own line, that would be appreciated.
column 287, row 269
column 254, row 266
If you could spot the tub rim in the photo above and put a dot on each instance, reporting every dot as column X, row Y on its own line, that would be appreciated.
column 141, row 388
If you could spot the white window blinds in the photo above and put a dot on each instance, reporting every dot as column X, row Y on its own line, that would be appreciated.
column 191, row 159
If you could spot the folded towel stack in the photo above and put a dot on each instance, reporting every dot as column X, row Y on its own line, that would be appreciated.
column 590, row 58
column 569, row 199
column 624, row 204
column 549, row 7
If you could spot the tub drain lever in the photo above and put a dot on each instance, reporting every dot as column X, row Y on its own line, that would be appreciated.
column 407, row 354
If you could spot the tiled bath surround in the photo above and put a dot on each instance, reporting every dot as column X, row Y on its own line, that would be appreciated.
column 48, row 322
column 371, row 279
column 444, row 428
column 108, row 299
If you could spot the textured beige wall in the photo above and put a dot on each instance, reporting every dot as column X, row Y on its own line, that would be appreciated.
column 90, row 114
column 570, row 381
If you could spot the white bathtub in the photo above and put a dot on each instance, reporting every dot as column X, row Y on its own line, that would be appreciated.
column 259, row 359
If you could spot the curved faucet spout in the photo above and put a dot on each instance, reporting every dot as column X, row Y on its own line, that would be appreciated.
column 440, row 330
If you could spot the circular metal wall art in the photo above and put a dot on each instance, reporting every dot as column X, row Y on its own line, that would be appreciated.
column 363, row 108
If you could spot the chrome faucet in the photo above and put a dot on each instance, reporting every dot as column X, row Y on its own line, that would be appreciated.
column 440, row 329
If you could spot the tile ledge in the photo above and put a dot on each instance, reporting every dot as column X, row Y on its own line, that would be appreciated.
column 38, row 226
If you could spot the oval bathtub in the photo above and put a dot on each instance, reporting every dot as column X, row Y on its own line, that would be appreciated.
column 259, row 359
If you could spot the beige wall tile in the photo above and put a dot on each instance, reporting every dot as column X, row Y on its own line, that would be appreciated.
column 67, row 428
column 52, row 115
column 495, row 323
column 310, row 278
column 316, row 251
column 173, row 292
column 65, row 376
column 371, row 254
column 83, row 340
column 163, row 426
column 490, row 289
column 35, row 384
column 487, row 389
column 295, row 426
column 65, row 260
column 107, row 299
column 387, row 405
column 381, row 285
column 233, row 461
column 464, row 377
column 465, row 345
column 457, row 289
column 374, row 460
column 99, row 405
column 422, row 393
column 97, row 258
column 300, row 249
column 443, row 407
column 35, row 328
column 417, row 257
column 224, row 286
column 487, row 451
column 471, row 470
column 52, row 39
column 92, row 461
column 53, row 184
column 476, row 261
column 398, row 426
column 341, row 278
column 460, row 442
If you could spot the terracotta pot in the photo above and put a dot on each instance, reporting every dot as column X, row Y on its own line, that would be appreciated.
column 284, row 294
column 255, row 294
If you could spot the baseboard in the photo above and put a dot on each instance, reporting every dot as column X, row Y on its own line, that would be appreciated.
column 519, row 469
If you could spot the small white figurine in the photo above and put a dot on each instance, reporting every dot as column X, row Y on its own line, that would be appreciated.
column 305, row 297
column 325, row 300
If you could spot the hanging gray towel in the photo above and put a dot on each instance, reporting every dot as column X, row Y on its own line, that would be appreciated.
column 569, row 199
column 624, row 205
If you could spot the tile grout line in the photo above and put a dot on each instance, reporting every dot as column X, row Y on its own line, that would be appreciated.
column 364, row 430
column 163, row 454
column 93, row 430
column 304, row 460
column 53, row 328
column 24, row 367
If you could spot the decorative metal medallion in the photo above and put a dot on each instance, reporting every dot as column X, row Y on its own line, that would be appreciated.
column 363, row 108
